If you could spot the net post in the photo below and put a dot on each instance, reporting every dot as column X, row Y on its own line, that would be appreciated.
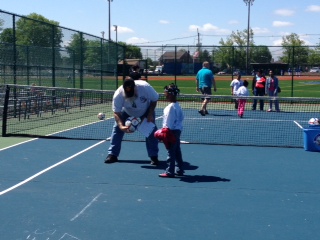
column 5, row 111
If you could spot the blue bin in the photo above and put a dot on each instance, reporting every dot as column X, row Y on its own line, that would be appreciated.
column 311, row 137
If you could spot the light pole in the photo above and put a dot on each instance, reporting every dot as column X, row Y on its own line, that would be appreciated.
column 116, row 29
column 248, row 3
column 109, row 20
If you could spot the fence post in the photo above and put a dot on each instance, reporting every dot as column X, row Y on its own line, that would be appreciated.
column 5, row 112
column 53, row 68
column 14, row 50
column 175, row 65
column 81, row 60
column 292, row 71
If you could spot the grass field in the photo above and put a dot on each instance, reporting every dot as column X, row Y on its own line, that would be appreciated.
column 304, row 86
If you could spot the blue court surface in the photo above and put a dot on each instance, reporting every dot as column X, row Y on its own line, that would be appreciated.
column 62, row 190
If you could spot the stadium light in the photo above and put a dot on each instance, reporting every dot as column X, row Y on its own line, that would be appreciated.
column 109, row 20
column 116, row 29
column 248, row 3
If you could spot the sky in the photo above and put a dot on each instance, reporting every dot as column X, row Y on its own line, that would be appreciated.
column 179, row 22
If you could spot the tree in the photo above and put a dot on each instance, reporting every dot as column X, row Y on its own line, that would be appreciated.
column 6, row 36
column 132, row 52
column 150, row 62
column 314, row 57
column 76, row 48
column 36, row 30
column 261, row 54
column 205, row 56
column 295, row 52
column 233, row 50
column 92, row 54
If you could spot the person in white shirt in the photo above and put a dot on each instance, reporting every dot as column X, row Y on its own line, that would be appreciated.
column 171, row 131
column 235, row 84
column 242, row 92
column 133, row 99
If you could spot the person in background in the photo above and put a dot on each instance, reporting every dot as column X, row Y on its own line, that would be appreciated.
column 235, row 84
column 205, row 81
column 171, row 131
column 133, row 99
column 135, row 74
column 242, row 92
column 258, row 89
column 272, row 86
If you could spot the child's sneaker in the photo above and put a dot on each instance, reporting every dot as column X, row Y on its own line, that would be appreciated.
column 166, row 175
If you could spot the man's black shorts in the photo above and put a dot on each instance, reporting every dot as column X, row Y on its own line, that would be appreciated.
column 205, row 92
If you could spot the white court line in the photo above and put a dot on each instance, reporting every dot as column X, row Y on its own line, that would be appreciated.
column 18, row 144
column 47, row 169
column 298, row 124
column 51, row 134
column 241, row 119
column 88, row 205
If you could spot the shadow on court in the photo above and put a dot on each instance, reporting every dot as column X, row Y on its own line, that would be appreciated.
column 244, row 193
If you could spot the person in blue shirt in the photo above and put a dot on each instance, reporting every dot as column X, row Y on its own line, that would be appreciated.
column 205, row 81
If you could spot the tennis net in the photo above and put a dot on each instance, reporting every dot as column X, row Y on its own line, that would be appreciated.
column 72, row 114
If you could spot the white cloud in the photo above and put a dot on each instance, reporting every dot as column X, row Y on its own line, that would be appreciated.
column 164, row 22
column 281, row 24
column 208, row 27
column 277, row 42
column 258, row 30
column 194, row 28
column 313, row 8
column 135, row 40
column 123, row 30
column 284, row 12
column 233, row 22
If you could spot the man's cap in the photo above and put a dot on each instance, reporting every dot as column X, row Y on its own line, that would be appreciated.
column 128, row 86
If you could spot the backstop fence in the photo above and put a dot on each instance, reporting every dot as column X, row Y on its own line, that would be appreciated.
column 38, row 53
column 187, row 60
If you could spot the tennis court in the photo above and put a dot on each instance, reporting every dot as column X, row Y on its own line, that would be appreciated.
column 61, row 189
column 237, row 185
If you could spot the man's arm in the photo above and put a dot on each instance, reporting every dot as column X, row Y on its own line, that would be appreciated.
column 214, row 84
column 197, row 84
column 253, row 83
column 117, row 118
column 152, row 107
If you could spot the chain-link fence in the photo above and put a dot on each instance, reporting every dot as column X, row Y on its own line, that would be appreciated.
column 39, row 53
column 185, row 60
column 34, row 52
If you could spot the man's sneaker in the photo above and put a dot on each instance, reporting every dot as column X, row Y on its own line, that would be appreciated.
column 269, row 110
column 206, row 112
column 166, row 175
column 202, row 112
column 111, row 159
column 154, row 161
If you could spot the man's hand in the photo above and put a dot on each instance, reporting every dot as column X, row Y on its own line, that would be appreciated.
column 125, row 129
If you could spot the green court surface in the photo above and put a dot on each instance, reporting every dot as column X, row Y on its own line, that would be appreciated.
column 9, row 141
